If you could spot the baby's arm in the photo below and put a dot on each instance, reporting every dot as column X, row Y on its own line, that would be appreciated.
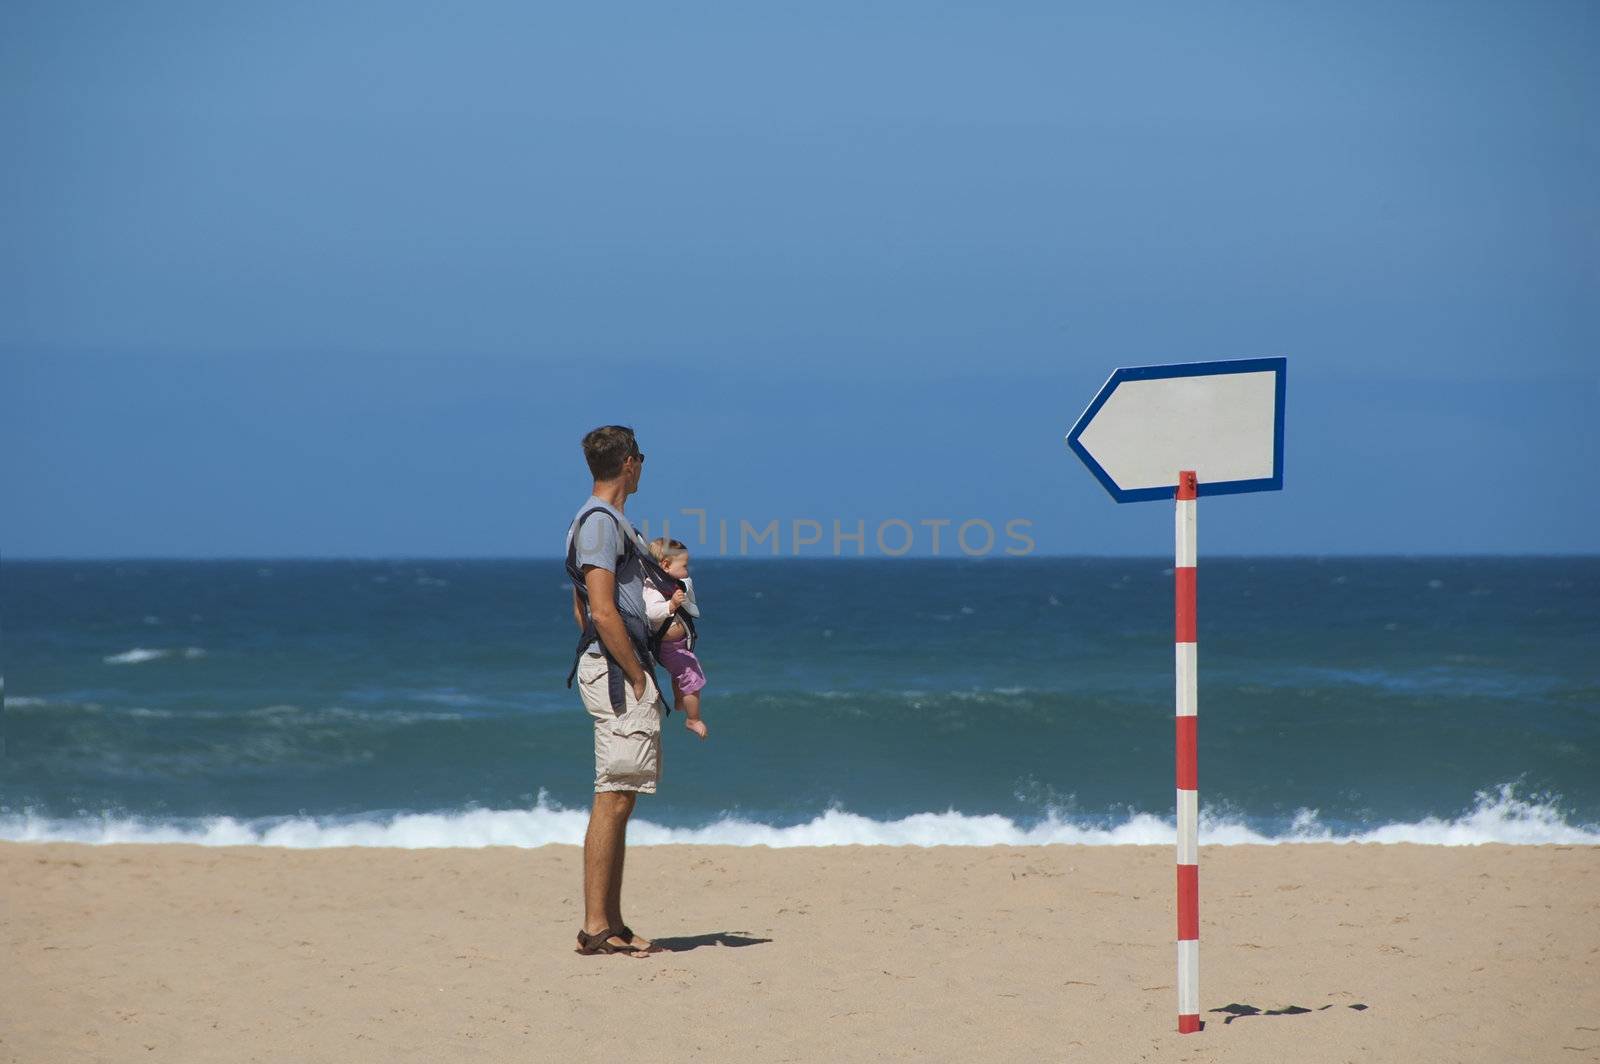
column 656, row 610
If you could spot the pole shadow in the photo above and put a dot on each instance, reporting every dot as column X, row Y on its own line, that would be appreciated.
column 1237, row 1011
column 685, row 943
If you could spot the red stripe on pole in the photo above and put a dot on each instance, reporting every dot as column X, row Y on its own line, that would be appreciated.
column 1189, row 1024
column 1188, row 484
column 1188, row 761
column 1186, row 604
column 1188, row 903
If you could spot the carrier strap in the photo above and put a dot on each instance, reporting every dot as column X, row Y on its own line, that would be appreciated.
column 646, row 646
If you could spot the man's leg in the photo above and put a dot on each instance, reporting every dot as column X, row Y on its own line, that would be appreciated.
column 614, row 895
column 604, row 845
column 635, row 754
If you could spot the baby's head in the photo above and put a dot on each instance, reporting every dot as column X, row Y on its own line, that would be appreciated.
column 671, row 556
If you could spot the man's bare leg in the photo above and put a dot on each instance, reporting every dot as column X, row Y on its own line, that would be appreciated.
column 604, row 846
column 614, row 895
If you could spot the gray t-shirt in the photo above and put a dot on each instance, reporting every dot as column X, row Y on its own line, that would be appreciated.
column 600, row 546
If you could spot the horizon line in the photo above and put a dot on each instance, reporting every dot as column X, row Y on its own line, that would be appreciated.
column 1302, row 556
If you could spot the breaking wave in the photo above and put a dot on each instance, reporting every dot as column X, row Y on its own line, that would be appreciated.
column 1497, row 816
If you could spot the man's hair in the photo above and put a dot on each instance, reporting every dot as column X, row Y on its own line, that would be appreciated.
column 606, row 448
column 663, row 548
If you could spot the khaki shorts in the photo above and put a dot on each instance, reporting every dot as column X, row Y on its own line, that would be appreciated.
column 627, row 748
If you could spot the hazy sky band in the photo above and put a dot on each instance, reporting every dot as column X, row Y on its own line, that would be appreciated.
column 295, row 280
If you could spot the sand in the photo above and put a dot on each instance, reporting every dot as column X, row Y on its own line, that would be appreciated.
column 1402, row 953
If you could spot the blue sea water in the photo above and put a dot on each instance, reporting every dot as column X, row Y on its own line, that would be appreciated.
column 1018, row 700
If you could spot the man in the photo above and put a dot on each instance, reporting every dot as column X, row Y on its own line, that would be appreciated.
column 606, row 559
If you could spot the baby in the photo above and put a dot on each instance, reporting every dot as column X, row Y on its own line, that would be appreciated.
column 675, row 654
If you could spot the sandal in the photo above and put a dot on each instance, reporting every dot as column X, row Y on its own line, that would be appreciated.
column 626, row 933
column 600, row 942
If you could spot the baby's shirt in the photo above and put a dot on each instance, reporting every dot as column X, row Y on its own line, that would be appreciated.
column 655, row 604
column 655, row 607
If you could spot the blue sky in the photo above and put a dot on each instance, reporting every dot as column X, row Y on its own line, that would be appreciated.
column 289, row 280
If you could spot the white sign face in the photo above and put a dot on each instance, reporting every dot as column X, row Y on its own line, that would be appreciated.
column 1224, row 420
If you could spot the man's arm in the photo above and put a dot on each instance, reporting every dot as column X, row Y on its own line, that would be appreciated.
column 602, row 587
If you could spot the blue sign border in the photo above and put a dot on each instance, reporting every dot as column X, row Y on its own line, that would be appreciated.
column 1279, row 366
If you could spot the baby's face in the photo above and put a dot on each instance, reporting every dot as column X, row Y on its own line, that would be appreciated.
column 677, row 566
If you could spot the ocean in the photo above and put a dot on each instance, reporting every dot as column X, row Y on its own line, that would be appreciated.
column 885, row 701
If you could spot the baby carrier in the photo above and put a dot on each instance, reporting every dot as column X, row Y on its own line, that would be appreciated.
column 646, row 643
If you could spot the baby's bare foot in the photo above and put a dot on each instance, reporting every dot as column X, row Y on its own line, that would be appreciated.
column 695, row 725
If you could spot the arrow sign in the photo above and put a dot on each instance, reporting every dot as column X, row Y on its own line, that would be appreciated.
column 1224, row 420
column 1163, row 432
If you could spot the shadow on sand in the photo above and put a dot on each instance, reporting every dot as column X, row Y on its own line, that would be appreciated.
column 716, row 938
column 1239, row 1012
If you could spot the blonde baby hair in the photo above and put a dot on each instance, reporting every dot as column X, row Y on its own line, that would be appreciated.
column 663, row 548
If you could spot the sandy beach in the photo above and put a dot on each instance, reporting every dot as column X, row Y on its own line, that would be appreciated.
column 184, row 953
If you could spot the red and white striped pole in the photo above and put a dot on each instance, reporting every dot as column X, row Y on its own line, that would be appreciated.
column 1187, row 764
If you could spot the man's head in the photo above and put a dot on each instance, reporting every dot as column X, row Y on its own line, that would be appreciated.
column 613, row 455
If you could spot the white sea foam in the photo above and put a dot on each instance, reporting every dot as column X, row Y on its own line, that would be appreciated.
column 1497, row 817
column 138, row 655
column 296, row 716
